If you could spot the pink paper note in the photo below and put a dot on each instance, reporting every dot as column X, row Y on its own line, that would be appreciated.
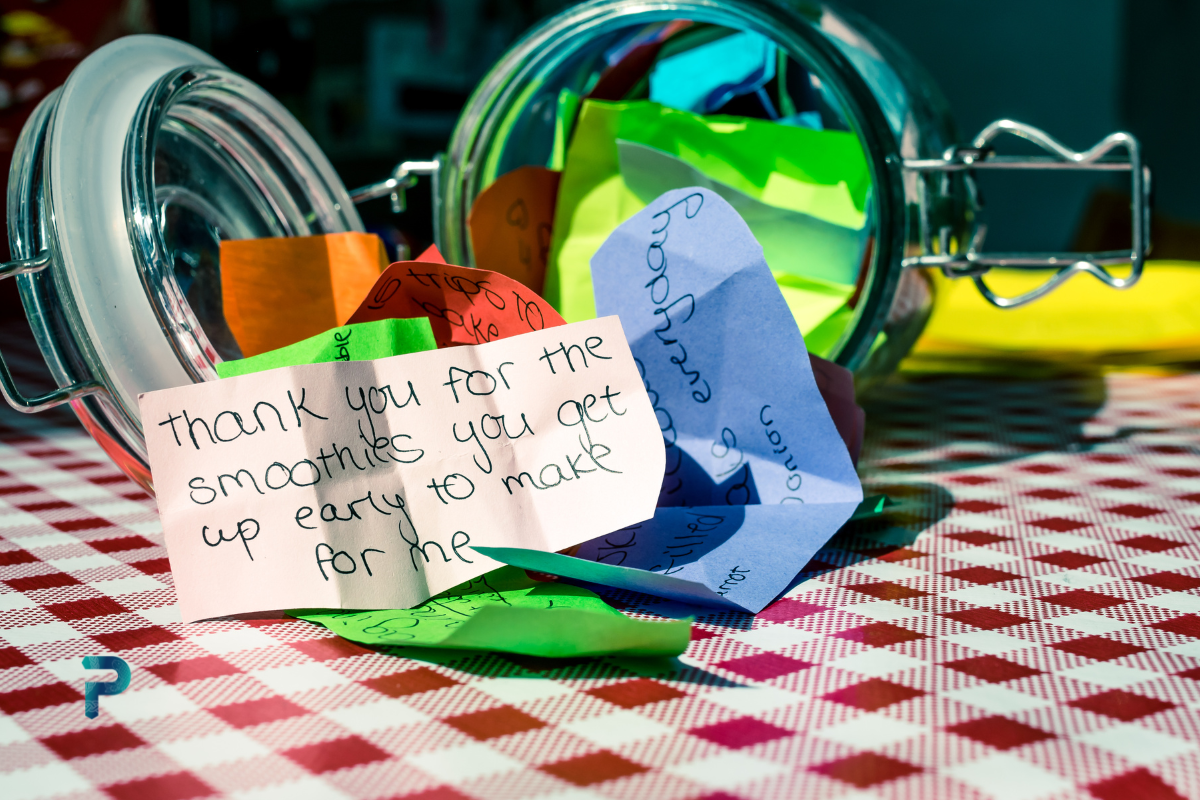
column 366, row 484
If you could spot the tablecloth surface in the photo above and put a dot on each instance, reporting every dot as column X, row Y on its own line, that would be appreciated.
column 1024, row 625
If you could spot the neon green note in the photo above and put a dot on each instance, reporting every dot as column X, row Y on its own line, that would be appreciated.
column 822, row 174
column 564, row 123
column 793, row 243
column 821, row 339
column 362, row 341
column 507, row 611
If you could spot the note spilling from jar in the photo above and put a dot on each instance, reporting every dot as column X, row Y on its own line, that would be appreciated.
column 757, row 477
column 363, row 485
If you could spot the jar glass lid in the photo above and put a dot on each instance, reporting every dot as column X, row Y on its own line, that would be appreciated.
column 147, row 158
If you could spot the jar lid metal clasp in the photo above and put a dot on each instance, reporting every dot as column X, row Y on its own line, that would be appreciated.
column 965, row 259
column 403, row 177
column 8, row 387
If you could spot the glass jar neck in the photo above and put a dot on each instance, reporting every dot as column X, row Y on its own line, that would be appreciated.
column 511, row 103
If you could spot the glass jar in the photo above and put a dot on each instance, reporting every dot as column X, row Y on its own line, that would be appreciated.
column 122, row 184
column 125, row 180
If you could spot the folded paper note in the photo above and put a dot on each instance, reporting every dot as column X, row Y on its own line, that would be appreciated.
column 565, row 111
column 365, row 484
column 511, row 222
column 464, row 306
column 364, row 341
column 503, row 610
column 740, row 557
column 506, row 611
column 752, row 455
column 725, row 365
column 278, row 291
column 431, row 255
column 675, row 554
column 792, row 242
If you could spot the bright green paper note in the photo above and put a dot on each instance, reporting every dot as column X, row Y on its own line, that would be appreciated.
column 793, row 242
column 564, row 123
column 822, row 174
column 362, row 341
column 507, row 611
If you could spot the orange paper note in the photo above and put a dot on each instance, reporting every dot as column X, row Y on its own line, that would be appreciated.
column 511, row 222
column 464, row 306
column 281, row 290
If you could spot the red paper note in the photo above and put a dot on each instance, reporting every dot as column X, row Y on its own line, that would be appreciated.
column 836, row 385
column 464, row 306
column 432, row 255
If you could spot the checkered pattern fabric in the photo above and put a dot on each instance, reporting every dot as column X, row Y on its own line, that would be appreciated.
column 1026, row 624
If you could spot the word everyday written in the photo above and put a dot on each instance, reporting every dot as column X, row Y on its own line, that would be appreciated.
column 757, row 477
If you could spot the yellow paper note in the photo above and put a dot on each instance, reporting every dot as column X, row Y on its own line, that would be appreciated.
column 281, row 290
column 1083, row 319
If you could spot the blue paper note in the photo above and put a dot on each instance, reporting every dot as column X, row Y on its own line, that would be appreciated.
column 722, row 358
column 707, row 77
column 701, row 555
column 740, row 557
column 757, row 477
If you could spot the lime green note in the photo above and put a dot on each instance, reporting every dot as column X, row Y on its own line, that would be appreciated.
column 792, row 243
column 507, row 611
column 564, row 123
column 362, row 341
column 822, row 174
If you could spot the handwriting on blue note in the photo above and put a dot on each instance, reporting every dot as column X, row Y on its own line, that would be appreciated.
column 757, row 477
column 722, row 359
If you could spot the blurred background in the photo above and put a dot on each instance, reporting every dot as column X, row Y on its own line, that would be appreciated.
column 379, row 81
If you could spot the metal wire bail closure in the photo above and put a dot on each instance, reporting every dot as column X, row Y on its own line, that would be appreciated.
column 403, row 177
column 967, row 261
column 8, row 387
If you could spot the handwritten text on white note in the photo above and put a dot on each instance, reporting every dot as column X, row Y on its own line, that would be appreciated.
column 366, row 484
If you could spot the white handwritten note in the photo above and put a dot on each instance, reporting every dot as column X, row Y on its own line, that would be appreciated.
column 367, row 484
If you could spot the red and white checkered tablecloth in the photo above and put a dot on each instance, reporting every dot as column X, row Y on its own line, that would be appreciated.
column 1026, row 625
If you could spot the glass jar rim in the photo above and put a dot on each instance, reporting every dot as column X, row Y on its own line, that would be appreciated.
column 207, row 97
column 557, row 39
column 107, row 310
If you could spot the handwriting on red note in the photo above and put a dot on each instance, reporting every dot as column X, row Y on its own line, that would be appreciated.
column 464, row 306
